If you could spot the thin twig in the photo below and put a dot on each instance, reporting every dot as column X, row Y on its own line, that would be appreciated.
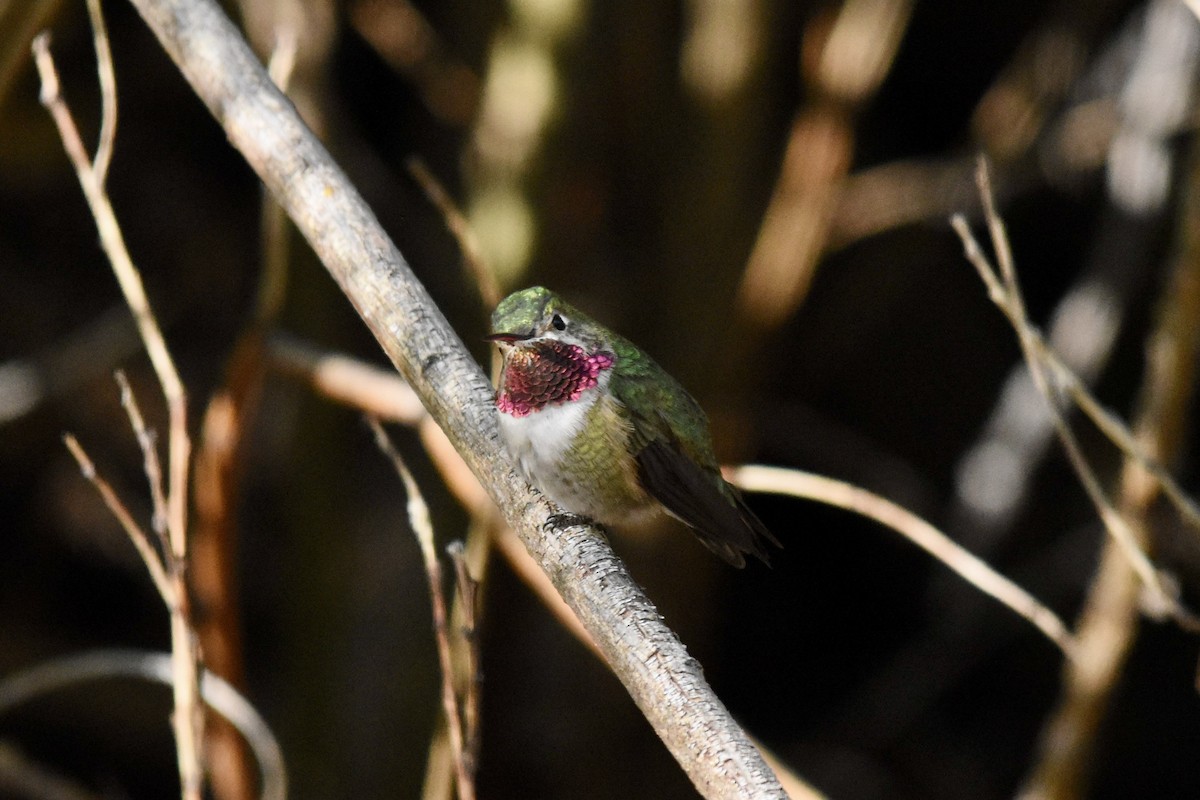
column 468, row 599
column 456, row 222
column 148, row 442
column 145, row 548
column 1113, row 428
column 775, row 480
column 108, row 93
column 1108, row 623
column 276, row 249
column 418, row 515
column 113, row 242
column 1004, row 291
column 69, row 671
column 189, row 712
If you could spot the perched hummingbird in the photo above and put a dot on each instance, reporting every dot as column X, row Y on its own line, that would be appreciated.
column 605, row 432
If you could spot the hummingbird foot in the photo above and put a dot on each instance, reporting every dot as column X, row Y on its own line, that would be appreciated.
column 568, row 520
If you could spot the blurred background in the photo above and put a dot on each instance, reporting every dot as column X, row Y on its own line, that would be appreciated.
column 758, row 193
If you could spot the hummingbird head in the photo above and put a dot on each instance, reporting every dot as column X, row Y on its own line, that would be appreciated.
column 552, row 352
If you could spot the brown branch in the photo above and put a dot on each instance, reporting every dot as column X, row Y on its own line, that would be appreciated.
column 219, row 467
column 844, row 59
column 647, row 657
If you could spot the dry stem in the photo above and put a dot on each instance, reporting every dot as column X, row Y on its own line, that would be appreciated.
column 467, row 598
column 1004, row 291
column 418, row 515
column 148, row 442
column 134, row 531
column 456, row 222
column 974, row 571
column 188, row 718
column 1108, row 623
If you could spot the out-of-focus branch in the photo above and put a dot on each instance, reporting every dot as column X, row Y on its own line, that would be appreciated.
column 188, row 719
column 69, row 671
column 845, row 58
column 646, row 656
column 410, row 45
column 226, row 426
column 1004, row 291
column 422, row 526
column 20, row 20
column 1109, row 619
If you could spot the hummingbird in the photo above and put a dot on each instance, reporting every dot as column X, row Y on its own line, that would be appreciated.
column 605, row 432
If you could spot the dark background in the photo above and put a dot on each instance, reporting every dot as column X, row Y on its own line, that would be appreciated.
column 863, row 664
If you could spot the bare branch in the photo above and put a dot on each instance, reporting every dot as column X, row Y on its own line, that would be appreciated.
column 418, row 516
column 223, row 697
column 189, row 712
column 148, row 442
column 456, row 222
column 1004, row 291
column 108, row 93
column 1109, row 620
column 974, row 571
column 130, row 281
column 141, row 541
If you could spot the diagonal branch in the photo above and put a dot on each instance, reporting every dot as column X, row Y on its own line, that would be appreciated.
column 647, row 657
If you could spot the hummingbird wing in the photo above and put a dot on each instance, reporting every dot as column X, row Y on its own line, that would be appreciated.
column 715, row 512
column 676, row 465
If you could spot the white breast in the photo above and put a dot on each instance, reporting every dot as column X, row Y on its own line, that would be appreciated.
column 539, row 440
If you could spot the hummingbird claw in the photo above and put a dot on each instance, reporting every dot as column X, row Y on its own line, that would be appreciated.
column 557, row 521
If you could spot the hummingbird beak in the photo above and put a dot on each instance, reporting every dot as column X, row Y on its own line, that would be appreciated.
column 506, row 338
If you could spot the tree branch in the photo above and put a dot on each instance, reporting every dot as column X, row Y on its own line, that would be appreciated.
column 661, row 677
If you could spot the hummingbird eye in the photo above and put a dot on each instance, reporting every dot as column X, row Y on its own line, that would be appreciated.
column 558, row 322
